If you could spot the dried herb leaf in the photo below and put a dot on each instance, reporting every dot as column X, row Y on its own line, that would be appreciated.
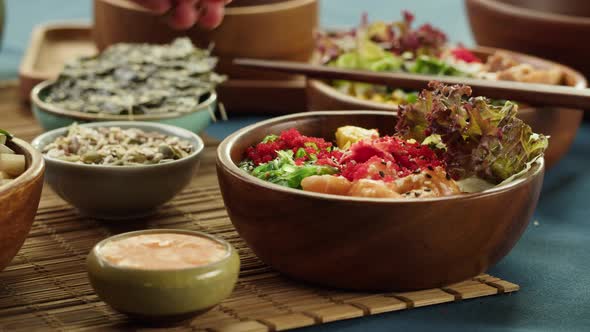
column 137, row 79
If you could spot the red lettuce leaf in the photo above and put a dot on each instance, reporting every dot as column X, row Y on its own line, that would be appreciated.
column 481, row 139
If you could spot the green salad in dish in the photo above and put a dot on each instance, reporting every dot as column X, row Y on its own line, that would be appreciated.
column 399, row 47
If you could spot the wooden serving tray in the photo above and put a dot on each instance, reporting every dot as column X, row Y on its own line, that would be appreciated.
column 54, row 44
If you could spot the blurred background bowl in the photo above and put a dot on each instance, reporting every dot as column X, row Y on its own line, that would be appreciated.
column 120, row 192
column 552, row 29
column 560, row 123
column 19, row 200
column 367, row 243
column 269, row 29
column 52, row 117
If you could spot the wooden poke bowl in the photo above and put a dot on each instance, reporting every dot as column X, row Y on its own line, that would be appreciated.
column 553, row 29
column 368, row 243
column 559, row 123
column 19, row 200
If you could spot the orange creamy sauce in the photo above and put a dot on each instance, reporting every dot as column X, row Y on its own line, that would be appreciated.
column 164, row 251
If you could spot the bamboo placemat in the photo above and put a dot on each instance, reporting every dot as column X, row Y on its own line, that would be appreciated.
column 45, row 287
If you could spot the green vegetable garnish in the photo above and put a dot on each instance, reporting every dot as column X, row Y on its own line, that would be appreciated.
column 4, row 136
column 283, row 171
column 481, row 139
column 5, row 133
column 270, row 138
column 431, row 66
column 300, row 153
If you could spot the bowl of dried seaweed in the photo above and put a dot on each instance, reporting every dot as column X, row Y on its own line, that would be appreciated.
column 119, row 170
column 171, row 83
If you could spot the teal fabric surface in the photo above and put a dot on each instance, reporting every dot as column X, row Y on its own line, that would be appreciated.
column 551, row 262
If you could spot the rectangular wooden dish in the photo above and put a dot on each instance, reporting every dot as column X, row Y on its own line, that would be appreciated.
column 54, row 44
column 50, row 46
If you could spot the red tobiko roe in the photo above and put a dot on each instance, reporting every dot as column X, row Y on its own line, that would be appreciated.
column 387, row 158
column 461, row 53
column 293, row 140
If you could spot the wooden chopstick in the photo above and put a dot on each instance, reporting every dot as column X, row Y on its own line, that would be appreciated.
column 530, row 93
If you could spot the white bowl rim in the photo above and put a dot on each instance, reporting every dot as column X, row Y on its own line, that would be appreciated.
column 535, row 14
column 224, row 159
column 169, row 130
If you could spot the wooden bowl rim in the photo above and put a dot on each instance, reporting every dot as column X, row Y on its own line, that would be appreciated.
column 332, row 92
column 224, row 160
column 31, row 174
column 229, row 11
column 50, row 108
column 531, row 14
column 169, row 130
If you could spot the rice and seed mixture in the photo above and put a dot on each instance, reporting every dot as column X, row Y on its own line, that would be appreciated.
column 114, row 146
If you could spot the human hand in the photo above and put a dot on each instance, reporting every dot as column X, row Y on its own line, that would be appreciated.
column 185, row 13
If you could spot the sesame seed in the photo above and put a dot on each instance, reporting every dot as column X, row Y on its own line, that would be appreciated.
column 448, row 176
column 430, row 168
column 427, row 190
column 428, row 176
column 381, row 174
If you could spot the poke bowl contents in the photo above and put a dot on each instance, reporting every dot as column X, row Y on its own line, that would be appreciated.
column 399, row 47
column 163, row 273
column 115, row 146
column 137, row 79
column 446, row 143
column 119, row 169
column 12, row 164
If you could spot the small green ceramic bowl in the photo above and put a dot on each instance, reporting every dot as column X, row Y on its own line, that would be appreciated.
column 163, row 294
column 52, row 117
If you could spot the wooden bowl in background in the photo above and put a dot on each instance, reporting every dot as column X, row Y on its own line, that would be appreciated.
column 365, row 243
column 268, row 29
column 560, row 123
column 19, row 200
column 553, row 29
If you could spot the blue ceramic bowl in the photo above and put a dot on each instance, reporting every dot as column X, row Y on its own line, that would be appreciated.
column 52, row 117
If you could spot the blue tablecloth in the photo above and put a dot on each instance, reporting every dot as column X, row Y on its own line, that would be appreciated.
column 552, row 260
